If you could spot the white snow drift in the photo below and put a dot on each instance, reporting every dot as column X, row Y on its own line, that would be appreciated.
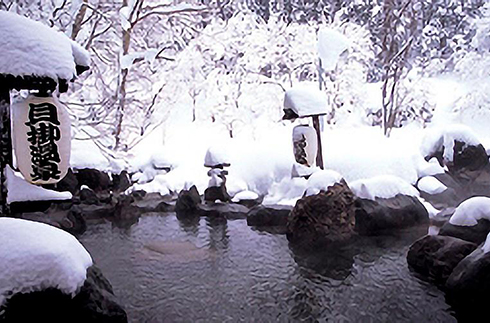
column 37, row 256
column 321, row 181
column 385, row 186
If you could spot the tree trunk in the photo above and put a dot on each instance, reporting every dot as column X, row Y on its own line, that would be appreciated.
column 319, row 155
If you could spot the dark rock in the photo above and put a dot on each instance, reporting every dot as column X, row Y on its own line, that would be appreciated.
column 401, row 211
column 214, row 193
column 435, row 257
column 469, row 157
column 95, row 302
column 154, row 202
column 126, row 214
column 187, row 201
column 29, row 206
column 252, row 203
column 269, row 216
column 138, row 194
column 468, row 286
column 96, row 212
column 230, row 211
column 476, row 233
column 93, row 178
column 68, row 183
column 323, row 218
column 88, row 196
column 121, row 182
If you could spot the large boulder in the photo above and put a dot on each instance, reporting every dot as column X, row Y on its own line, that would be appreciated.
column 476, row 233
column 269, row 216
column 401, row 211
column 93, row 178
column 187, row 201
column 95, row 302
column 468, row 286
column 324, row 218
column 436, row 256
column 470, row 157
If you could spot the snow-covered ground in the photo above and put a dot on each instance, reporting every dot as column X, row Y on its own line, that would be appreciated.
column 37, row 256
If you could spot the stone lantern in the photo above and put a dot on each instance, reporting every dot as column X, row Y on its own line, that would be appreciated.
column 217, row 161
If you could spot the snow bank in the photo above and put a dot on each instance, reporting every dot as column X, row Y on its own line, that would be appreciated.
column 86, row 154
column 470, row 211
column 286, row 192
column 245, row 195
column 19, row 190
column 331, row 44
column 321, row 180
column 28, row 47
column 37, row 256
column 385, row 186
column 305, row 99
column 437, row 139
column 431, row 185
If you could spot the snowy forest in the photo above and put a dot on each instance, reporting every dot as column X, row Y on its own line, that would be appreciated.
column 388, row 221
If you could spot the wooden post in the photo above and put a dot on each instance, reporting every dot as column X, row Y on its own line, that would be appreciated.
column 5, row 147
column 319, row 155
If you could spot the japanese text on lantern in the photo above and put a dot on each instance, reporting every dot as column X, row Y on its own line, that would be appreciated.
column 43, row 134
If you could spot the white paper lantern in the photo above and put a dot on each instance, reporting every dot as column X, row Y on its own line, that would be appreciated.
column 305, row 145
column 41, row 138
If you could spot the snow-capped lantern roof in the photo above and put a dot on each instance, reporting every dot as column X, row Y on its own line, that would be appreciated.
column 34, row 56
column 304, row 100
column 331, row 44
column 216, row 157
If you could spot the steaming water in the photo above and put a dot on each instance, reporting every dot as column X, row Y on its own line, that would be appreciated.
column 166, row 270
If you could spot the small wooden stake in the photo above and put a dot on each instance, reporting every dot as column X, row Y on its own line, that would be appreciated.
column 319, row 155
column 5, row 146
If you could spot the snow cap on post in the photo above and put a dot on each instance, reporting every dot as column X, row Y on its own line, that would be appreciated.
column 331, row 44
column 304, row 100
column 33, row 51
column 216, row 157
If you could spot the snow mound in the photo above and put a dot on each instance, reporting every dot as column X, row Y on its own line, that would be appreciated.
column 431, row 185
column 430, row 168
column 384, row 186
column 470, row 211
column 20, row 191
column 443, row 139
column 321, row 180
column 286, row 192
column 37, row 256
column 86, row 154
column 305, row 99
column 28, row 47
column 331, row 44
column 245, row 195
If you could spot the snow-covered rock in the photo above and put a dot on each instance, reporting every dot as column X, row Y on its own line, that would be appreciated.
column 431, row 185
column 37, row 256
column 385, row 186
column 305, row 99
column 20, row 191
column 470, row 211
column 486, row 245
column 28, row 47
column 321, row 180
column 437, row 140
column 245, row 195
column 331, row 44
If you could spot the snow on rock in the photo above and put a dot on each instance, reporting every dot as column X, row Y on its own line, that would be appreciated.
column 431, row 185
column 36, row 256
column 486, row 245
column 470, row 211
column 430, row 168
column 429, row 207
column 321, row 180
column 438, row 139
column 286, row 192
column 245, row 195
column 331, row 44
column 28, row 47
column 384, row 186
column 305, row 99
column 86, row 154
column 215, row 156
column 20, row 191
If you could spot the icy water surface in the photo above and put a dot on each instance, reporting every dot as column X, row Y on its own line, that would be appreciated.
column 166, row 270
